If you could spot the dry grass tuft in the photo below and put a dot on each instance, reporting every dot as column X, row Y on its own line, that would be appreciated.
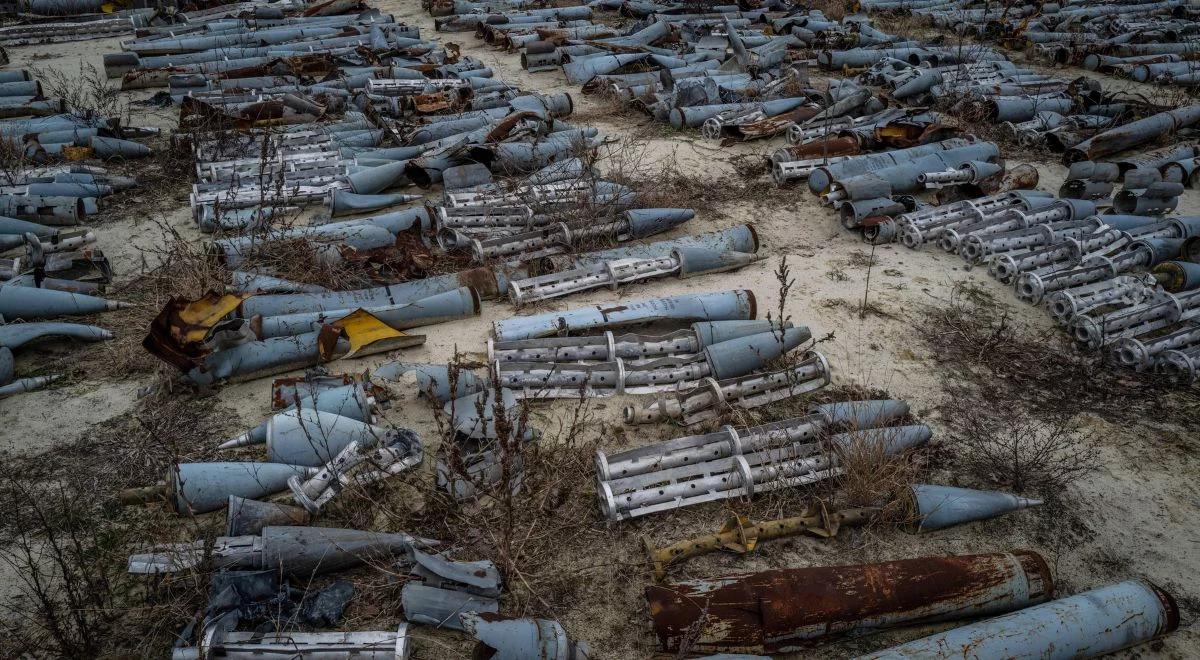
column 872, row 477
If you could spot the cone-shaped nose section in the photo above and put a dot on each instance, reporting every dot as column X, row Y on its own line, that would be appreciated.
column 24, row 302
column 399, row 221
column 347, row 401
column 937, row 507
column 307, row 551
column 244, row 282
column 344, row 202
column 367, row 138
column 313, row 437
column 376, row 179
column 521, row 638
column 16, row 335
column 563, row 170
column 255, row 436
column 203, row 487
column 645, row 222
column 699, row 260
column 862, row 414
column 107, row 147
column 580, row 71
column 738, row 357
column 715, row 332
column 922, row 83
column 248, row 517
column 981, row 170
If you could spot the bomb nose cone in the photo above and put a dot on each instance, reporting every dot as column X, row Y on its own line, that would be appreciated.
column 243, row 440
column 937, row 507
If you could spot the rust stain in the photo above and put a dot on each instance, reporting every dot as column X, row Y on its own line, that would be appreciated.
column 279, row 386
column 1021, row 177
column 482, row 280
column 506, row 126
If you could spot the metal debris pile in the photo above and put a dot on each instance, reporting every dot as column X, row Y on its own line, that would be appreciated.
column 787, row 610
column 316, row 149
column 50, row 266
column 337, row 129
column 744, row 74
column 323, row 440
column 671, row 64
column 1072, row 116
column 1144, row 41
column 522, row 196
column 901, row 174
column 58, row 21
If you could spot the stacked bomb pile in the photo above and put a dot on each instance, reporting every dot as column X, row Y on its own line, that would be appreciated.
column 57, row 21
column 521, row 192
column 742, row 74
column 672, row 64
column 1123, row 282
column 1145, row 41
column 428, row 117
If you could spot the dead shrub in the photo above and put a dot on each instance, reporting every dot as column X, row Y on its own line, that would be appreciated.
column 15, row 163
column 1002, row 445
column 66, row 550
column 985, row 354
column 87, row 95
column 832, row 9
column 56, row 546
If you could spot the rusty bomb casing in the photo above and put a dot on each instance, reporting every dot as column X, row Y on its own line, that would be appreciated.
column 782, row 610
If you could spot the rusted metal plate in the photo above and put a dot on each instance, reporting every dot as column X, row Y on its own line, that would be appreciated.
column 180, row 332
column 846, row 145
column 904, row 134
column 782, row 610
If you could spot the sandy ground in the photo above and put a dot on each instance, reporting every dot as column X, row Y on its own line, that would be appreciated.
column 1143, row 508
